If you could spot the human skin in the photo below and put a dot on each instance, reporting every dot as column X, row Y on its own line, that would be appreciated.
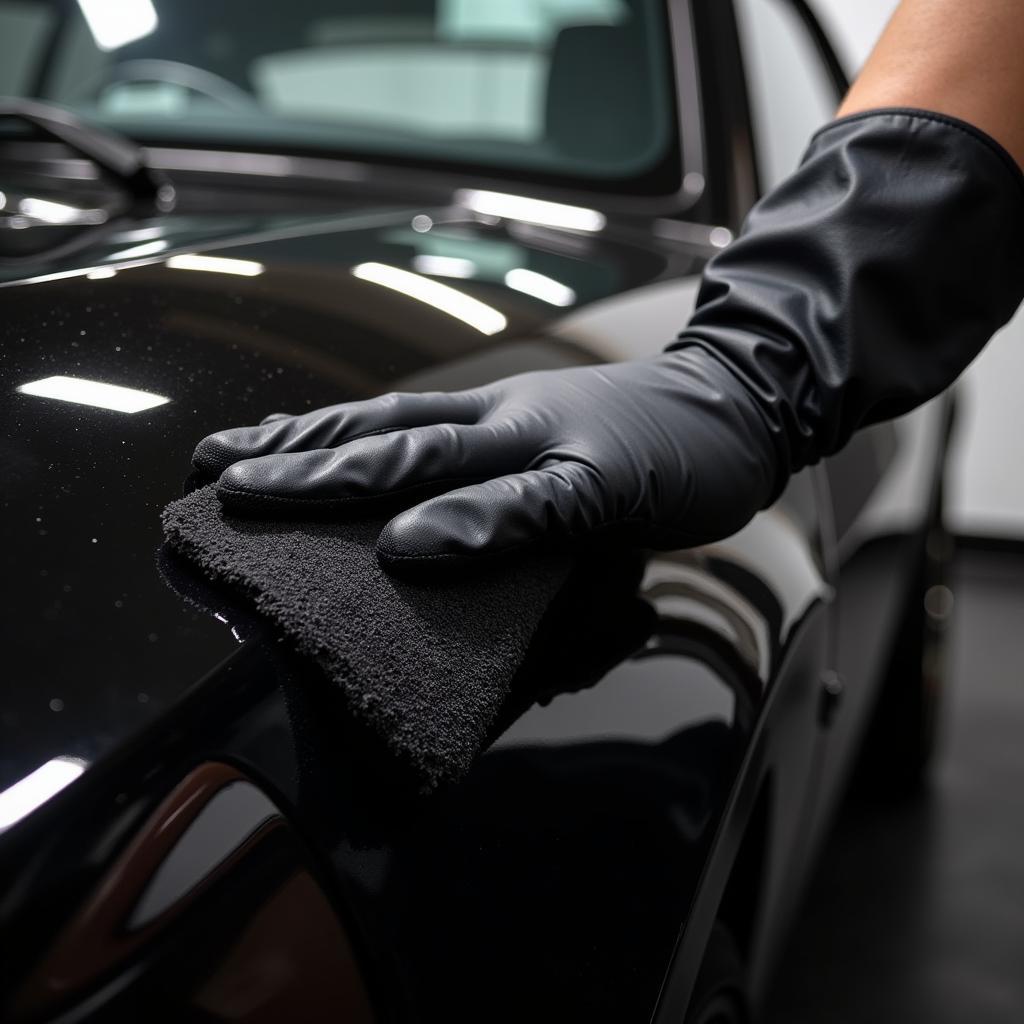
column 958, row 57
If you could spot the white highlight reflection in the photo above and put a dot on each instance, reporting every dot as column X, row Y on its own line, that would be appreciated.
column 49, row 212
column 138, row 235
column 115, row 23
column 443, row 266
column 720, row 237
column 540, row 286
column 93, row 392
column 138, row 251
column 21, row 799
column 486, row 319
column 216, row 264
column 61, row 275
column 532, row 211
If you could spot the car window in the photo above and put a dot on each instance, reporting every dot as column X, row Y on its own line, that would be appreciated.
column 578, row 88
column 791, row 95
column 466, row 69
column 24, row 29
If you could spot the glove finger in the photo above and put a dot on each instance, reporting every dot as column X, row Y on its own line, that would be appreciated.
column 373, row 466
column 337, row 424
column 496, row 517
column 275, row 416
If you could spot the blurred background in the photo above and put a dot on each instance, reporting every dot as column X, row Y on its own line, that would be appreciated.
column 915, row 913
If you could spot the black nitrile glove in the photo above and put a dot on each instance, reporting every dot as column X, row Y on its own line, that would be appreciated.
column 866, row 282
column 858, row 289
column 661, row 452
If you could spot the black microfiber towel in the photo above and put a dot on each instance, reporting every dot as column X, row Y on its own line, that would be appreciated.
column 426, row 665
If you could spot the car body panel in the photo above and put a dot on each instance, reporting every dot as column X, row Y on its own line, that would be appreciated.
column 85, row 485
column 303, row 333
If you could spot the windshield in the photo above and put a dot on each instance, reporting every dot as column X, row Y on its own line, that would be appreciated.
column 550, row 89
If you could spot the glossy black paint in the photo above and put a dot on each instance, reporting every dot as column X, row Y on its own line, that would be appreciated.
column 666, row 761
column 275, row 945
column 85, row 485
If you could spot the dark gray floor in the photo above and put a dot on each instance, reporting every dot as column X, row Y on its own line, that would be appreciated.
column 917, row 911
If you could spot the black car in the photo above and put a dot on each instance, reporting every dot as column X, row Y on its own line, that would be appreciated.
column 214, row 211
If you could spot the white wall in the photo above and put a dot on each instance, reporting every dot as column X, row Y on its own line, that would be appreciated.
column 987, row 479
column 853, row 26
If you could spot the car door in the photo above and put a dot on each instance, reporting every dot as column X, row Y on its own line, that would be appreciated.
column 883, row 484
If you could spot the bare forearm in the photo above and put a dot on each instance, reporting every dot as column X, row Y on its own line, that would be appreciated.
column 954, row 57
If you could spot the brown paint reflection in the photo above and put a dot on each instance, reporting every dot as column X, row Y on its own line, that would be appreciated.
column 277, row 954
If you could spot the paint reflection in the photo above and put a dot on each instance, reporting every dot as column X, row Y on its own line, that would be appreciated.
column 208, row 912
column 36, row 788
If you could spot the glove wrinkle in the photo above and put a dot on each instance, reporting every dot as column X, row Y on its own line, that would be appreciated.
column 858, row 289
column 866, row 282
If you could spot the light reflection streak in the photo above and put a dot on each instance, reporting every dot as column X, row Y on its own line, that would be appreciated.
column 216, row 264
column 443, row 266
column 61, row 275
column 540, row 286
column 21, row 799
column 531, row 211
column 46, row 211
column 486, row 319
column 137, row 251
column 94, row 393
column 138, row 235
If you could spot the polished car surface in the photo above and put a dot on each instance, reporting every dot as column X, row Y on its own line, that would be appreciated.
column 190, row 828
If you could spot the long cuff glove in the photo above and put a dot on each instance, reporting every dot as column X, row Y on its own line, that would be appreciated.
column 859, row 288
column 864, row 284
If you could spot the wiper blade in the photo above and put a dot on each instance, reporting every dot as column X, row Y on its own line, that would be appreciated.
column 116, row 154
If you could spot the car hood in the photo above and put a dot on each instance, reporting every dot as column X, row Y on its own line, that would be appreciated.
column 221, row 320
column 611, row 788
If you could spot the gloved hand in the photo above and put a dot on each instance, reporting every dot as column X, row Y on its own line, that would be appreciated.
column 858, row 289
column 667, row 452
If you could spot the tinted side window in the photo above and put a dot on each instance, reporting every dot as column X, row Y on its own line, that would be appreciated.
column 24, row 28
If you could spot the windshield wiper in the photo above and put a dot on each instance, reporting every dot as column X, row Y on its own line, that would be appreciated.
column 115, row 154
